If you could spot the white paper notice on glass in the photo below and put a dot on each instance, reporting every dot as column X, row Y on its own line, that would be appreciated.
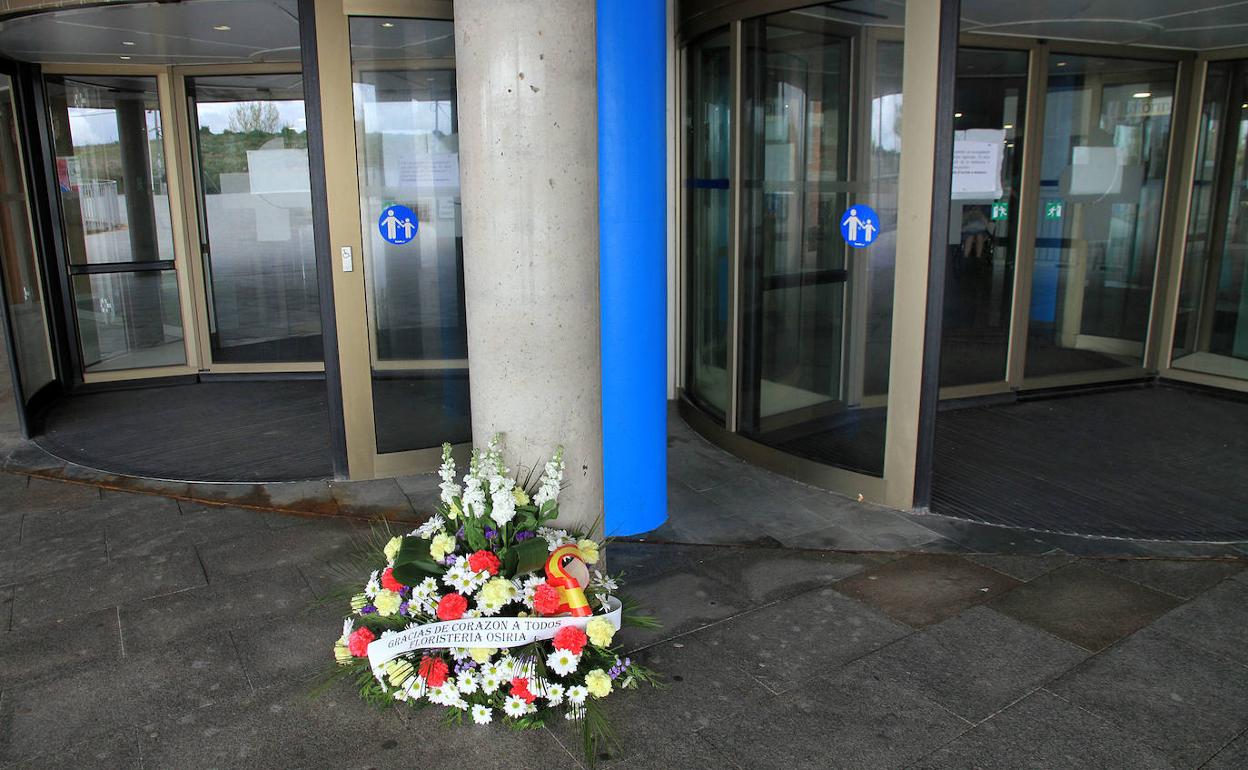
column 977, row 157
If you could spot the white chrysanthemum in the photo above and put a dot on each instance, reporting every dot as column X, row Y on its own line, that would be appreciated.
column 461, row 653
column 445, row 694
column 493, row 669
column 430, row 528
column 601, row 582
column 461, row 577
column 515, row 707
column 373, row 585
column 489, row 683
column 529, row 587
column 347, row 627
column 467, row 682
column 482, row 714
column 555, row 537
column 577, row 694
column 563, row 662
column 554, row 693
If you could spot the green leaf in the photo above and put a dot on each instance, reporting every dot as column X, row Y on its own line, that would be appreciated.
column 413, row 572
column 531, row 555
column 413, row 549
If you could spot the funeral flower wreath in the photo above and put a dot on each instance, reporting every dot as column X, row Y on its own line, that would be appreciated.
column 491, row 612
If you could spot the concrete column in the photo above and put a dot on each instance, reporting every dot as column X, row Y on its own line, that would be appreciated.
column 528, row 172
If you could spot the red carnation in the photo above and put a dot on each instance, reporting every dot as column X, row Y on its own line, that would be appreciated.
column 570, row 638
column 359, row 640
column 433, row 670
column 388, row 582
column 546, row 599
column 451, row 607
column 520, row 689
column 484, row 561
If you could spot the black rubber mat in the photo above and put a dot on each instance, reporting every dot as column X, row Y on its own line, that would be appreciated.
column 1154, row 462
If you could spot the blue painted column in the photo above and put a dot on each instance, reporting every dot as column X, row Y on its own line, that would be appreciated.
column 632, row 216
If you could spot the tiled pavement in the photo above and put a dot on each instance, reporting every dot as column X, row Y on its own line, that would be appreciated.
column 137, row 631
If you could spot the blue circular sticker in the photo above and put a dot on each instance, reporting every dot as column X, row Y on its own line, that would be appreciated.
column 859, row 226
column 398, row 224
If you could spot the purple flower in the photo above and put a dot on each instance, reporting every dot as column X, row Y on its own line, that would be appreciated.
column 402, row 608
column 459, row 535
column 367, row 608
column 465, row 665
column 449, row 560
column 619, row 668
column 523, row 535
column 490, row 534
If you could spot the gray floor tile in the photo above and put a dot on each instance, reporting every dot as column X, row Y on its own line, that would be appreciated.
column 1216, row 620
column 1044, row 731
column 10, row 527
column 290, row 651
column 26, row 561
column 881, row 529
column 116, row 752
column 682, row 602
column 976, row 663
column 44, row 496
column 6, row 608
column 639, row 561
column 1181, row 700
column 982, row 538
column 376, row 497
column 924, row 589
column 831, row 538
column 58, row 645
column 767, row 574
column 69, row 593
column 784, row 644
column 1022, row 568
column 99, row 698
column 1084, row 605
column 143, row 532
column 257, row 598
column 1233, row 757
column 849, row 720
column 1183, row 579
column 277, row 548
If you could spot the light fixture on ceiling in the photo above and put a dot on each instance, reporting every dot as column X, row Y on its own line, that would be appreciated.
column 387, row 24
column 1062, row 64
column 957, row 114
column 1141, row 95
column 1008, row 126
column 221, row 27
column 1244, row 106
column 127, row 42
column 124, row 58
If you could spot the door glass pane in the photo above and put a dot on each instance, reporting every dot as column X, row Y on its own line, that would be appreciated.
column 1106, row 139
column 816, row 312
column 1211, row 331
column 251, row 154
column 24, row 290
column 407, row 145
column 979, row 277
column 707, row 199
column 110, row 164
column 129, row 320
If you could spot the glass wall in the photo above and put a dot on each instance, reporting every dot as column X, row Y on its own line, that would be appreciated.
column 989, row 98
column 408, row 157
column 109, row 145
column 255, row 213
column 1211, row 329
column 1106, row 146
column 707, row 205
column 23, row 287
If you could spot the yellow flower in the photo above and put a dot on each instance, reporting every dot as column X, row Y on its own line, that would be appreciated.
column 497, row 592
column 398, row 671
column 482, row 655
column 589, row 550
column 521, row 497
column 600, row 632
column 341, row 653
column 598, row 683
column 392, row 548
column 453, row 511
column 387, row 602
column 441, row 545
column 359, row 602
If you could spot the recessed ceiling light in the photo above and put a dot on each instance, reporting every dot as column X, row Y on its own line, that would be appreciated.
column 222, row 27
column 1141, row 94
column 957, row 114
column 1008, row 126
column 125, row 58
column 1061, row 64
column 1244, row 106
column 387, row 24
column 127, row 42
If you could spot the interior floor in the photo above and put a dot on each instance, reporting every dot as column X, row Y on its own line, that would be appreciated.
column 206, row 431
column 1151, row 462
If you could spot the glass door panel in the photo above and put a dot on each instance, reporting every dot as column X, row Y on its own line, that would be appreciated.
column 110, row 162
column 23, row 288
column 255, row 215
column 1106, row 141
column 1211, row 331
column 707, row 199
column 407, row 149
column 988, row 103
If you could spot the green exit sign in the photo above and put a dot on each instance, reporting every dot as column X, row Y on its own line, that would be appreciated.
column 1052, row 209
column 1000, row 211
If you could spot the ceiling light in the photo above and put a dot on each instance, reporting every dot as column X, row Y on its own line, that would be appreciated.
column 1141, row 95
column 387, row 24
column 1244, row 106
column 222, row 27
column 125, row 58
column 957, row 114
column 1008, row 126
column 1061, row 64
column 127, row 42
